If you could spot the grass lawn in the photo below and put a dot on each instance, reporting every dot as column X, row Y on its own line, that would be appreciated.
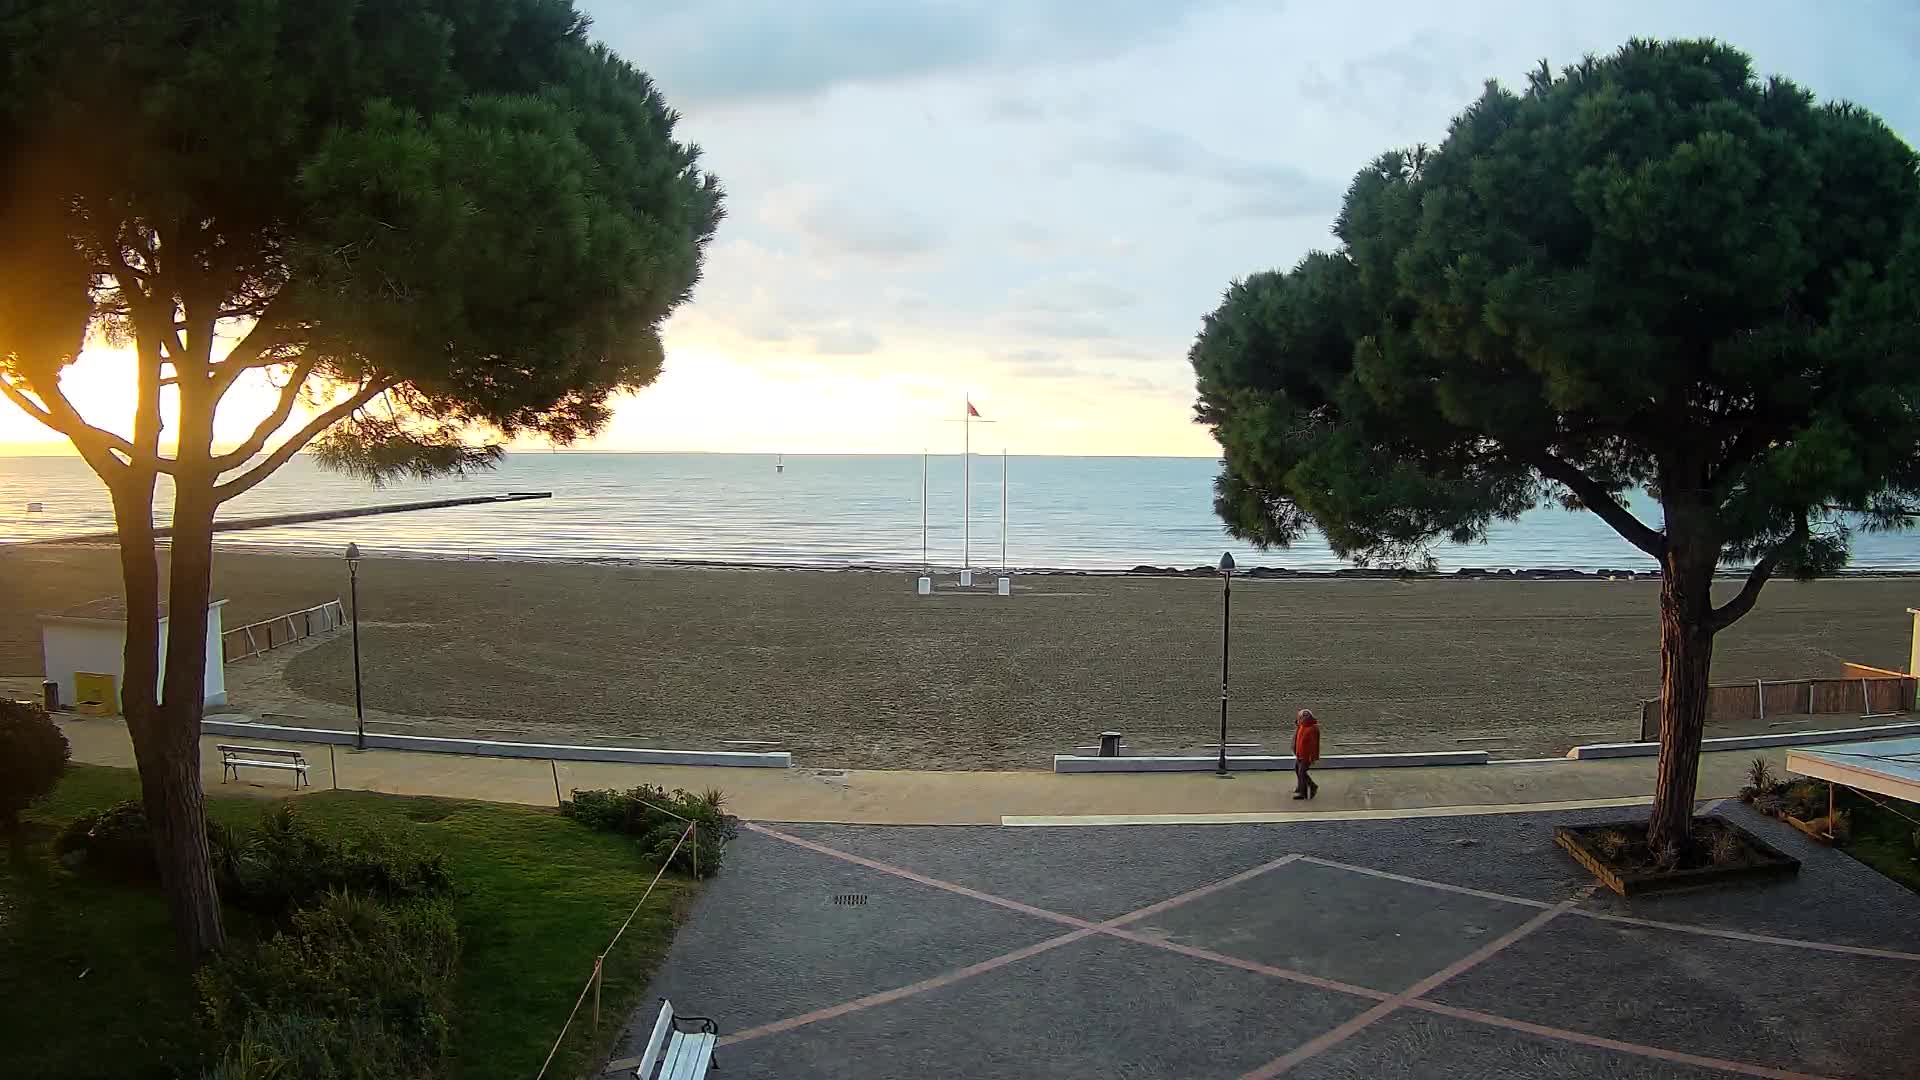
column 92, row 985
column 1882, row 838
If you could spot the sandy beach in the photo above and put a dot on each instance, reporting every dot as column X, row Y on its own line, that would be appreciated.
column 851, row 669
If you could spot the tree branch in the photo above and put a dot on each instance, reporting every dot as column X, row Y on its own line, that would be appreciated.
column 58, row 414
column 1601, row 501
column 1748, row 444
column 289, row 397
column 1730, row 612
column 250, row 352
column 162, row 327
column 245, row 482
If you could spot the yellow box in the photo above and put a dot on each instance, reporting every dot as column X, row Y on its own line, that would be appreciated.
column 95, row 694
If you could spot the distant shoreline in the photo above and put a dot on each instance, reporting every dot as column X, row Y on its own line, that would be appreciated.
column 1266, row 573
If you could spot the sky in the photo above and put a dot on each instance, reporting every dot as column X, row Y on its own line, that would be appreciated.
column 1034, row 202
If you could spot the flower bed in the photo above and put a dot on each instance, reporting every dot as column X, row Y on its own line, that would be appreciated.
column 1807, row 805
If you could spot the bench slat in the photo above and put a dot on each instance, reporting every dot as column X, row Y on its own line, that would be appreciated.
column 297, row 766
column 694, row 1056
column 231, row 749
column 660, row 1028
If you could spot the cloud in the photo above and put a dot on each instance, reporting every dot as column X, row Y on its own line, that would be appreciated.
column 1015, row 108
column 844, row 340
column 732, row 51
column 1082, row 306
column 1432, row 66
column 1254, row 188
column 1076, row 292
column 840, row 224
column 1036, row 240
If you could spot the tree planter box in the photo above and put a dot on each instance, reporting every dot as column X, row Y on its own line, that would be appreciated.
column 1767, row 862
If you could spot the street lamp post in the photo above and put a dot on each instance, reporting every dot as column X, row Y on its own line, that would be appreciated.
column 1226, row 641
column 353, row 588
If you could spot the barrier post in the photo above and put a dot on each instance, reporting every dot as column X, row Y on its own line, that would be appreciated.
column 599, row 962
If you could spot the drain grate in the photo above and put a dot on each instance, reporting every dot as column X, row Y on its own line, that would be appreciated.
column 851, row 899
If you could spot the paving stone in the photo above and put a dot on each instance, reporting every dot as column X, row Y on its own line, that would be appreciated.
column 1761, row 1004
column 1094, row 874
column 767, row 941
column 1385, row 935
column 1416, row 1046
column 1098, row 1008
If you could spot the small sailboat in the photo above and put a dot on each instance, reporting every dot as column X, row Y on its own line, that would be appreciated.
column 779, row 463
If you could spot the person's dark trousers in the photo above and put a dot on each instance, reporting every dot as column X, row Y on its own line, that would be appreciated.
column 1304, row 787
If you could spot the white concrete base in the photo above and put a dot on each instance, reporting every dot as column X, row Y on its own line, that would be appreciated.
column 1069, row 763
column 1748, row 742
column 924, row 587
column 631, row 755
column 966, row 579
column 1004, row 587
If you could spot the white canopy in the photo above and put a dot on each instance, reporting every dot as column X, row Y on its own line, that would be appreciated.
column 1888, row 767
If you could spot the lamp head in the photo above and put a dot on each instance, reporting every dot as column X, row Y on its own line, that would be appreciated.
column 353, row 553
column 1226, row 562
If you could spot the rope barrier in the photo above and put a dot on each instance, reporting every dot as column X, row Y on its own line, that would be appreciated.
column 593, row 980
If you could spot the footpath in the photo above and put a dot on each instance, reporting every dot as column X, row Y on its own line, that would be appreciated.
column 918, row 797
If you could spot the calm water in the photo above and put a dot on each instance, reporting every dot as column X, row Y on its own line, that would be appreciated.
column 1064, row 512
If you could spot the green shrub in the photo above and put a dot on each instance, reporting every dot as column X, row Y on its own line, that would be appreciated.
column 1805, row 799
column 1760, row 777
column 33, row 756
column 272, row 870
column 116, row 841
column 285, row 865
column 354, row 987
column 655, row 817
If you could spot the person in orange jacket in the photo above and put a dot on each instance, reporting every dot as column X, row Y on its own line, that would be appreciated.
column 1306, row 751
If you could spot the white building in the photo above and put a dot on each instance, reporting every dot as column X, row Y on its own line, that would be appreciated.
column 92, row 639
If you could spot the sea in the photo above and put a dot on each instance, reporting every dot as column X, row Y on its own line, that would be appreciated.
column 1025, row 512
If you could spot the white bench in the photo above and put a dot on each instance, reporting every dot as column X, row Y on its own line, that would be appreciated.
column 687, row 1054
column 262, row 757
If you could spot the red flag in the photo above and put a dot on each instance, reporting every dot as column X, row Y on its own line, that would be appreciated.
column 971, row 411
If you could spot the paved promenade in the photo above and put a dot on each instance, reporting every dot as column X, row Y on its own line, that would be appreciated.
column 903, row 797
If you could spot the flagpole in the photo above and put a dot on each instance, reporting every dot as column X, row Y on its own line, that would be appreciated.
column 966, row 486
column 923, row 510
column 1003, row 510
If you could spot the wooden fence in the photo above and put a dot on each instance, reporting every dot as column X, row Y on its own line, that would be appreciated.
column 255, row 638
column 1860, row 690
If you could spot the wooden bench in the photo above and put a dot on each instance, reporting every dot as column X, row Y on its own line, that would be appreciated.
column 262, row 757
column 680, row 1055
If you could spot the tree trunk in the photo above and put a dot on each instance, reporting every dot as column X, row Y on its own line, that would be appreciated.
column 170, row 787
column 166, row 745
column 175, row 806
column 1686, row 659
